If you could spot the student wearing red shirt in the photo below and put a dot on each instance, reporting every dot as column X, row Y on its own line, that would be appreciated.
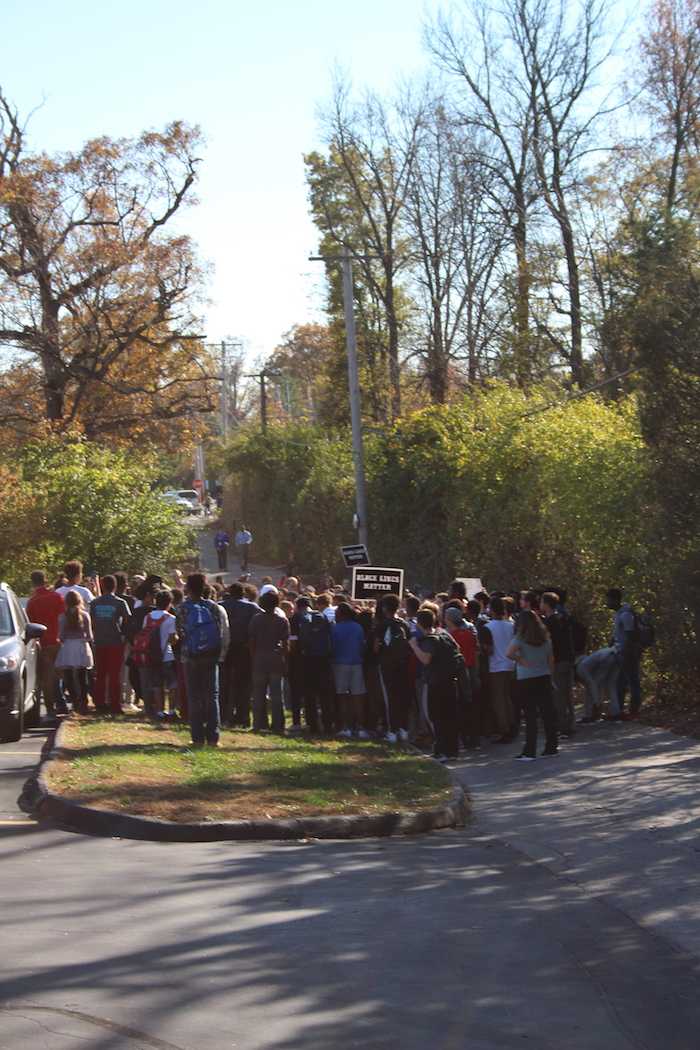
column 45, row 606
column 464, row 633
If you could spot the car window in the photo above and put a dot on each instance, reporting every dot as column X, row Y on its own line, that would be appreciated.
column 19, row 614
column 6, row 626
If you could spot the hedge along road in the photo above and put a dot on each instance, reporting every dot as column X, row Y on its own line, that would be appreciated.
column 560, row 918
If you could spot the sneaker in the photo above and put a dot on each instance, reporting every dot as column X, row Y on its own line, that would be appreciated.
column 525, row 758
column 586, row 721
column 548, row 754
column 345, row 734
column 440, row 758
column 390, row 737
column 403, row 735
column 362, row 734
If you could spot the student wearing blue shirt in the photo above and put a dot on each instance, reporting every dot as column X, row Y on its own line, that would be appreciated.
column 348, row 653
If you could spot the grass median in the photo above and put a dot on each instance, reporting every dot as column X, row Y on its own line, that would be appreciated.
column 136, row 767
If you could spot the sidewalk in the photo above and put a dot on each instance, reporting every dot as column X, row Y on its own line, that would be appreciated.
column 209, row 561
column 617, row 813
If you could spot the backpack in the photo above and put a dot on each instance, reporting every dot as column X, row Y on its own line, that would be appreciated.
column 146, row 649
column 202, row 634
column 314, row 636
column 396, row 653
column 645, row 630
column 447, row 664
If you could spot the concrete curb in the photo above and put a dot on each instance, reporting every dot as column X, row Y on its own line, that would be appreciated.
column 108, row 823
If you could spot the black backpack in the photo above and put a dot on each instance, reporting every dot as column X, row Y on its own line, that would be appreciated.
column 447, row 665
column 314, row 637
column 644, row 630
column 396, row 653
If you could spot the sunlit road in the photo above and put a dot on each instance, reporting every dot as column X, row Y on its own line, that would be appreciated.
column 559, row 919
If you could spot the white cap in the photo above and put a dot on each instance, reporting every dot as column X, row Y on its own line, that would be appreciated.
column 269, row 587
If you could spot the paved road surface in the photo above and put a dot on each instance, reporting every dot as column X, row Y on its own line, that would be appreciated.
column 209, row 561
column 567, row 916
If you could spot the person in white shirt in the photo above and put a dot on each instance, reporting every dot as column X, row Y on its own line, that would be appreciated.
column 501, row 669
column 73, row 571
column 244, row 538
column 324, row 605
column 161, row 679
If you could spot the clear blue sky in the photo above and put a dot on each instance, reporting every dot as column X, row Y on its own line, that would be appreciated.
column 251, row 73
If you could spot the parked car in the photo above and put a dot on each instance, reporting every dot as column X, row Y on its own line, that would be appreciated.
column 190, row 496
column 182, row 504
column 20, row 703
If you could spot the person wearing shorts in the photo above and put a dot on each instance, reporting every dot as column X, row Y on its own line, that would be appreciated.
column 347, row 656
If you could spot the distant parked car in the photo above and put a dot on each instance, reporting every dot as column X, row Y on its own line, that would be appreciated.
column 190, row 497
column 20, row 703
column 182, row 504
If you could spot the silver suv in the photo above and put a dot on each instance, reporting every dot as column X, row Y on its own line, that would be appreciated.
column 20, row 703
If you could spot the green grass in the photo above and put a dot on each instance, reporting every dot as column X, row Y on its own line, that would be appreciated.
column 134, row 766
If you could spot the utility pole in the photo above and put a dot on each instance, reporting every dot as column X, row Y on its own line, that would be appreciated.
column 262, row 376
column 224, row 400
column 224, row 391
column 358, row 454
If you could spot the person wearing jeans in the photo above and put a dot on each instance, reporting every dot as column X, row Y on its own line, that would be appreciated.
column 269, row 642
column 626, row 642
column 531, row 649
column 202, row 648
column 599, row 672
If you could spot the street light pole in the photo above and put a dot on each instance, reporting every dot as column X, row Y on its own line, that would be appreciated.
column 224, row 391
column 358, row 453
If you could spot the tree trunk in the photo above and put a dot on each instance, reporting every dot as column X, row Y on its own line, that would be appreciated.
column 393, row 350
column 522, row 303
column 54, row 375
column 574, row 283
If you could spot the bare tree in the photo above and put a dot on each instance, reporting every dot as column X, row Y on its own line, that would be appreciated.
column 560, row 57
column 671, row 62
column 473, row 51
column 457, row 239
column 358, row 198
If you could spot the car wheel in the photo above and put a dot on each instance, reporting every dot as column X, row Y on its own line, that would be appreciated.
column 11, row 728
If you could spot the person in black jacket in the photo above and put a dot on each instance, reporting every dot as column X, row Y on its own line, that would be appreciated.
column 558, row 623
column 391, row 635
column 237, row 670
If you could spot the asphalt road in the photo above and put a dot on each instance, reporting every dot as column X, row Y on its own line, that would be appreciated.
column 559, row 919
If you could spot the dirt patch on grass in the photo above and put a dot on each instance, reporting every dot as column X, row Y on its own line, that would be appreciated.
column 136, row 767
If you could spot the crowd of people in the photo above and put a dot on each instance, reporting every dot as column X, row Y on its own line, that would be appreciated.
column 447, row 671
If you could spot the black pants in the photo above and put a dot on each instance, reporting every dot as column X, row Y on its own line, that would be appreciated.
column 222, row 555
column 237, row 686
column 75, row 680
column 295, row 681
column 469, row 721
column 442, row 711
column 396, row 687
column 536, row 698
column 318, row 690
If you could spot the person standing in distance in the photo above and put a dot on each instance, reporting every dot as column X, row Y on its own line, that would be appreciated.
column 244, row 538
column 203, row 630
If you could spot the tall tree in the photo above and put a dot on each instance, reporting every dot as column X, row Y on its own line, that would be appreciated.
column 357, row 197
column 90, row 278
column 670, row 50
column 474, row 51
column 457, row 238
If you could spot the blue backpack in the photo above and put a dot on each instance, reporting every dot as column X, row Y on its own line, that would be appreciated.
column 202, row 634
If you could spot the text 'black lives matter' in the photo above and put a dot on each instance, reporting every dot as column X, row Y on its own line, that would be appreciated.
column 371, row 582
